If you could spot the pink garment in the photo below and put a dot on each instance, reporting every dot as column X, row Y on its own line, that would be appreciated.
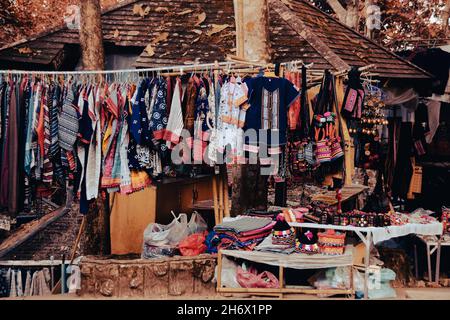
column 269, row 227
column 247, row 238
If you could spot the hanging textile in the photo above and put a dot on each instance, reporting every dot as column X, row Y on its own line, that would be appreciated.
column 95, row 136
column 232, row 115
column 354, row 96
column 295, row 109
column 269, row 99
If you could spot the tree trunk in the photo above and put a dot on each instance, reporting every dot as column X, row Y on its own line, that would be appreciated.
column 252, row 38
column 369, row 28
column 252, row 29
column 338, row 9
column 96, row 240
column 91, row 35
column 445, row 17
column 349, row 15
column 352, row 18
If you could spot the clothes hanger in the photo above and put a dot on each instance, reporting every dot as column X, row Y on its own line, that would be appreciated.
column 268, row 73
column 232, row 78
column 238, row 79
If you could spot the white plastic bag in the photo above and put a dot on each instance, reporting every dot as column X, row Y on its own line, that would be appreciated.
column 197, row 223
column 179, row 230
column 229, row 274
column 167, row 235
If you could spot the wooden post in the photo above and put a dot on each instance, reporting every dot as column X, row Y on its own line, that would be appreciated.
column 221, row 204
column 216, row 202
column 226, row 196
column 281, row 281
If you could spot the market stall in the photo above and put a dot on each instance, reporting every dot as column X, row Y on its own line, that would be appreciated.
column 158, row 140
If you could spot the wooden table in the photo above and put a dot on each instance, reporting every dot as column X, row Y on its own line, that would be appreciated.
column 348, row 193
column 300, row 261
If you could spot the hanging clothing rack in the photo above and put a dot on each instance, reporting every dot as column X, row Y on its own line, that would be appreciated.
column 180, row 68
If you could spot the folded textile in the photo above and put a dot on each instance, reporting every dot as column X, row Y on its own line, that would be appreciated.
column 243, row 224
column 269, row 227
column 240, row 238
column 267, row 246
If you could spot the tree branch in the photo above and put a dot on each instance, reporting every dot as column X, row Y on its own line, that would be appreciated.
column 338, row 9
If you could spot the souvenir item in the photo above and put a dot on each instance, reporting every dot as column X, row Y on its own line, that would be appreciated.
column 307, row 243
column 283, row 233
column 354, row 95
column 445, row 218
column 331, row 242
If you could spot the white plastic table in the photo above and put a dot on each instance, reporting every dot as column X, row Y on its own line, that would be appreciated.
column 433, row 245
column 374, row 235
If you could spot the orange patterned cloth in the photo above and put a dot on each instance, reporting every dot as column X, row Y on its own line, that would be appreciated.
column 294, row 110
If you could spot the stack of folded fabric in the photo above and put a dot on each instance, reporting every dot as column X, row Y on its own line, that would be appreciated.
column 283, row 233
column 268, row 246
column 272, row 214
column 243, row 232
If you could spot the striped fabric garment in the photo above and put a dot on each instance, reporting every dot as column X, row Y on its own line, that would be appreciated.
column 47, row 175
column 68, row 122
column 53, row 114
column 55, row 150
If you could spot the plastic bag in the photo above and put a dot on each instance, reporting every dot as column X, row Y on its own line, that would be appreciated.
column 251, row 279
column 229, row 274
column 197, row 224
column 333, row 278
column 193, row 245
column 167, row 235
column 149, row 252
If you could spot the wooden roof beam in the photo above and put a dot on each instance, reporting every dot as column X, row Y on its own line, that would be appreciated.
column 306, row 33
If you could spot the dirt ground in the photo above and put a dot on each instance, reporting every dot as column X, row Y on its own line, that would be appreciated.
column 402, row 294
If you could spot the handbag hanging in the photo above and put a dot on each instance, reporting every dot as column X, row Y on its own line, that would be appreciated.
column 323, row 150
column 336, row 148
column 297, row 161
column 415, row 185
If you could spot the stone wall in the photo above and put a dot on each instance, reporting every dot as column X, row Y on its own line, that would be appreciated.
column 154, row 278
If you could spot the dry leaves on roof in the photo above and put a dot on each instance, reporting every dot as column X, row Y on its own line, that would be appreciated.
column 25, row 50
column 216, row 28
column 150, row 50
column 116, row 33
column 200, row 18
column 138, row 9
column 184, row 12
column 160, row 37
column 133, row 33
column 161, row 9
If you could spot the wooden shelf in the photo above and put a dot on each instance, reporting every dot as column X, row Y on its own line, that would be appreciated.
column 250, row 255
